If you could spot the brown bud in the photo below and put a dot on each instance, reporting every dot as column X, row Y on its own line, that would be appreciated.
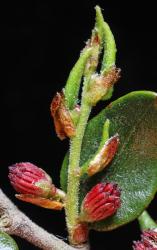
column 92, row 62
column 62, row 120
column 94, row 41
column 80, row 233
column 104, row 156
column 101, row 84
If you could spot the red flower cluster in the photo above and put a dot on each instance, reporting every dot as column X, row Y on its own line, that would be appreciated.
column 101, row 201
column 148, row 241
column 26, row 178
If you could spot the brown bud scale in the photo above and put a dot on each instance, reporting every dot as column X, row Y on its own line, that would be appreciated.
column 104, row 157
column 41, row 202
column 62, row 120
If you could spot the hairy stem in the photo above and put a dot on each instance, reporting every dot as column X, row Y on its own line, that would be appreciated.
column 74, row 165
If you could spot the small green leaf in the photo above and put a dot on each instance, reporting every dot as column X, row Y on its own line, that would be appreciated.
column 134, row 168
column 109, row 47
column 72, row 86
column 108, row 42
column 7, row 242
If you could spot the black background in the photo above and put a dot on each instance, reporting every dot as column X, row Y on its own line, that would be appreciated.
column 41, row 41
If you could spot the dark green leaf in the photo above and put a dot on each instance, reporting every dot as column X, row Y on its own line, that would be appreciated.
column 134, row 168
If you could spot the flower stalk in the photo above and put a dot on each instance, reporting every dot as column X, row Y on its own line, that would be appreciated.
column 101, row 39
column 72, row 212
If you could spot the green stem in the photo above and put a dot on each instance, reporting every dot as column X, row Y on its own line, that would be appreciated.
column 71, row 93
column 72, row 206
column 146, row 222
